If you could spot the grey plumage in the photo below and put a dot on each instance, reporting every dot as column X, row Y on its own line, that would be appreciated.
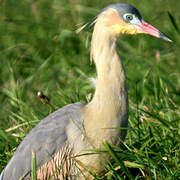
column 45, row 139
column 123, row 8
column 1, row 175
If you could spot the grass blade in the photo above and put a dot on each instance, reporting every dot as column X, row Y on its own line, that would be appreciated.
column 173, row 21
column 115, row 157
column 33, row 166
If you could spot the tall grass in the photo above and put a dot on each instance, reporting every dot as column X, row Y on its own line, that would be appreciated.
column 39, row 51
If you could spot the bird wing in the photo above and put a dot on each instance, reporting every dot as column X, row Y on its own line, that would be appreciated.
column 45, row 139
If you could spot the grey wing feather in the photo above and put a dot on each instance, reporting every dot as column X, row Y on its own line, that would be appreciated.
column 45, row 139
column 2, row 174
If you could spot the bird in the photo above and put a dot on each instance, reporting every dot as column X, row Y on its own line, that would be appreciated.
column 64, row 140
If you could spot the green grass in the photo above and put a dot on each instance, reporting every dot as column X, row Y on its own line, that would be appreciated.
column 39, row 51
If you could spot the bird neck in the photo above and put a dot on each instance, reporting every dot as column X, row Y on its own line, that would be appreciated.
column 108, row 110
column 109, row 106
column 110, row 72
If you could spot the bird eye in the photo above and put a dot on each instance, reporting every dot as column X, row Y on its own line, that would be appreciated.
column 128, row 17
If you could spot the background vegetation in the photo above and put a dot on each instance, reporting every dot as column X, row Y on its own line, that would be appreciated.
column 40, row 51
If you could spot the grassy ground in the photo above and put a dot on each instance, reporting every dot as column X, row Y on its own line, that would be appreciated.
column 40, row 51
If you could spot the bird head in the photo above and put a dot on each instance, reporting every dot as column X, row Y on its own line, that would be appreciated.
column 123, row 18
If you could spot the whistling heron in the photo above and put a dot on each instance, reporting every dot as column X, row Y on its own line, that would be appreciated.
column 76, row 128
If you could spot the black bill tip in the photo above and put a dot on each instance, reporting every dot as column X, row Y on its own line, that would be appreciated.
column 163, row 36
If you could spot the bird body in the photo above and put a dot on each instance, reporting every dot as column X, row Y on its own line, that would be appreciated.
column 52, row 133
column 62, row 140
